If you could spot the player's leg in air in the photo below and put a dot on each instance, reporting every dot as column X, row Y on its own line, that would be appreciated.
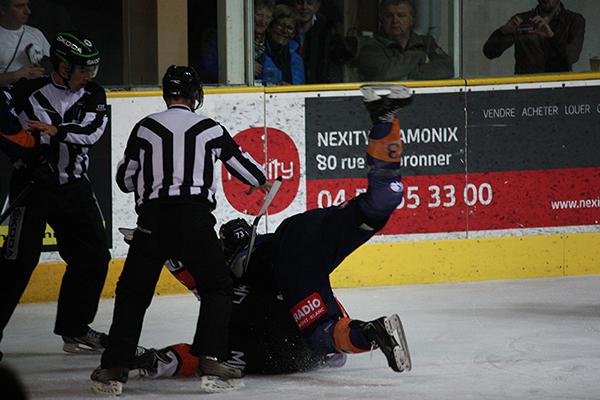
column 384, row 152
column 339, row 333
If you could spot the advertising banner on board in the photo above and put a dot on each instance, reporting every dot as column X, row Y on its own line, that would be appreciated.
column 474, row 161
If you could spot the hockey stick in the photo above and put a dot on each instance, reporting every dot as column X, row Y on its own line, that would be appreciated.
column 17, row 201
column 268, row 199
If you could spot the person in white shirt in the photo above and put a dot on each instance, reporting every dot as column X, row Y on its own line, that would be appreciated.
column 22, row 47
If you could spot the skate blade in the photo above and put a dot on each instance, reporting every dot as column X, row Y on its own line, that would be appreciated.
column 391, row 90
column 393, row 326
column 78, row 348
column 214, row 384
column 112, row 388
column 127, row 233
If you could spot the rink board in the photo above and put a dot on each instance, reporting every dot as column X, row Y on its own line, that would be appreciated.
column 403, row 263
column 502, row 180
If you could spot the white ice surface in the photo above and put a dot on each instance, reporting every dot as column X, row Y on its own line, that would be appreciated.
column 526, row 339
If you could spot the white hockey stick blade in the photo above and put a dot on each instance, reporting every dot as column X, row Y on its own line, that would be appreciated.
column 214, row 384
column 268, row 200
column 391, row 90
column 393, row 326
column 112, row 388
column 270, row 196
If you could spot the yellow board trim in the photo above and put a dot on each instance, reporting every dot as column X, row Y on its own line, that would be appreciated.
column 471, row 260
column 507, row 80
column 405, row 263
column 503, row 80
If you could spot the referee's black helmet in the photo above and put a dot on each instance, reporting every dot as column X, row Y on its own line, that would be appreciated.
column 182, row 81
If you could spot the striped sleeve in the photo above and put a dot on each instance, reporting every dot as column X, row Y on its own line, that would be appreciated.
column 92, row 125
column 9, row 121
column 239, row 163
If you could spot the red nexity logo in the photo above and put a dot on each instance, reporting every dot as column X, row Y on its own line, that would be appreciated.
column 281, row 160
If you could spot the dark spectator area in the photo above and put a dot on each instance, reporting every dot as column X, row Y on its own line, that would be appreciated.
column 291, row 42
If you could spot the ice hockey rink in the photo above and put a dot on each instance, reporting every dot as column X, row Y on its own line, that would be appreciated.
column 522, row 339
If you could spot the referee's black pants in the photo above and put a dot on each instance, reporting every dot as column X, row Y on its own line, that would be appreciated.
column 73, row 213
column 180, row 229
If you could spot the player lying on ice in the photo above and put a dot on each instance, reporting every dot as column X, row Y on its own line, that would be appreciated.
column 285, row 316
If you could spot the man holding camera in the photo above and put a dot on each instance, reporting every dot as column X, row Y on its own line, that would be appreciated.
column 548, row 38
column 63, row 114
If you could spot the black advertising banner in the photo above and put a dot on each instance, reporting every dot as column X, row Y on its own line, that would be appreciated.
column 337, row 130
column 475, row 161
column 533, row 129
column 100, row 174
column 433, row 162
column 538, row 150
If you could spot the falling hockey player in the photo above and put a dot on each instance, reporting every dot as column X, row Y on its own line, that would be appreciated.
column 285, row 316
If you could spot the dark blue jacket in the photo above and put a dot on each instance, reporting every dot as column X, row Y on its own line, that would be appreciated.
column 272, row 75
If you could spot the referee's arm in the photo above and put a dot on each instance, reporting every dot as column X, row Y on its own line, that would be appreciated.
column 239, row 163
column 90, row 129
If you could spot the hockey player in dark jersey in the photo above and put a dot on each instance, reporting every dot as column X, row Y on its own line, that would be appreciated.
column 286, row 317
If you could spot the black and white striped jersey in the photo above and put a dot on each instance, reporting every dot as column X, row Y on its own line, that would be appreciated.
column 80, row 117
column 173, row 153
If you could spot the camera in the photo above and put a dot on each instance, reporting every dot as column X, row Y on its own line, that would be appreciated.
column 526, row 28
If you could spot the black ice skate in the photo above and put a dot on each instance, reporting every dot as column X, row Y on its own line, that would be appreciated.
column 384, row 101
column 218, row 376
column 154, row 363
column 146, row 360
column 214, row 367
column 92, row 342
column 109, row 380
column 387, row 333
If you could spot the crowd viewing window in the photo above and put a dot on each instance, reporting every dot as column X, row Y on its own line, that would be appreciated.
column 280, row 42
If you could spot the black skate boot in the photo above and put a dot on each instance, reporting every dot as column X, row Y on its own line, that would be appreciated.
column 154, row 363
column 385, row 138
column 218, row 376
column 384, row 101
column 214, row 367
column 387, row 333
column 109, row 380
column 92, row 342
column 145, row 359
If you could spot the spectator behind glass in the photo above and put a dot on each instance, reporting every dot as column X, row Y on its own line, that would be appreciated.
column 548, row 38
column 314, row 36
column 396, row 52
column 51, row 18
column 209, row 55
column 263, row 13
column 282, row 65
column 22, row 47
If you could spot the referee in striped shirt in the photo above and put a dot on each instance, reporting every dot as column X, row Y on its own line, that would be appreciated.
column 64, row 115
column 169, row 164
